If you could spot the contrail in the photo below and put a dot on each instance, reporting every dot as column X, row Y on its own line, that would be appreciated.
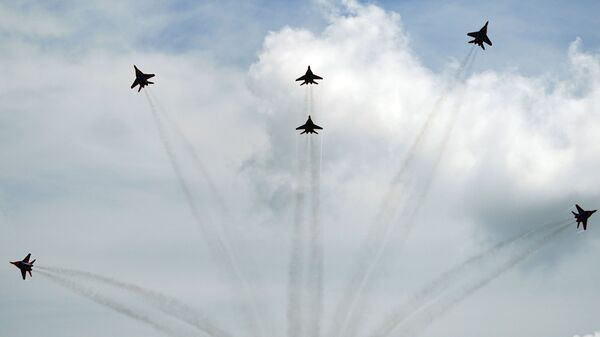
column 311, row 101
column 164, row 303
column 109, row 303
column 321, row 155
column 380, row 232
column 175, row 164
column 469, row 66
column 193, row 153
column 437, row 310
column 450, row 278
column 295, row 314
column 213, row 237
column 315, row 260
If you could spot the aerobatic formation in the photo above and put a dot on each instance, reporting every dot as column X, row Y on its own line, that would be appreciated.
column 309, row 78
column 479, row 38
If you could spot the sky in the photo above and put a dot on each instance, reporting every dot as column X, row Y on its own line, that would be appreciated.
column 432, row 152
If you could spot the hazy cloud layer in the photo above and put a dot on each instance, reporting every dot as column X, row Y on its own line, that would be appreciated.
column 86, row 182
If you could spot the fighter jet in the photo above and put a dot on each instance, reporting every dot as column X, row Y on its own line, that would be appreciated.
column 309, row 77
column 141, row 79
column 582, row 216
column 309, row 127
column 24, row 265
column 480, row 37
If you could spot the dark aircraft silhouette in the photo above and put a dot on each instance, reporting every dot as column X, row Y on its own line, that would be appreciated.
column 309, row 127
column 141, row 79
column 582, row 216
column 480, row 37
column 309, row 77
column 24, row 265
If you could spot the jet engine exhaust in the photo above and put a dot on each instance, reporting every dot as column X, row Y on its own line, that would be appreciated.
column 216, row 240
column 430, row 304
column 296, row 277
column 315, row 260
column 395, row 203
column 192, row 152
column 109, row 303
column 162, row 302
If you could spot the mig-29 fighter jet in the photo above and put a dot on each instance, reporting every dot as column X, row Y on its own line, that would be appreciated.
column 480, row 37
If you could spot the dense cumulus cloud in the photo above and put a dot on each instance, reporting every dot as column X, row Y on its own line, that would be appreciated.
column 87, row 184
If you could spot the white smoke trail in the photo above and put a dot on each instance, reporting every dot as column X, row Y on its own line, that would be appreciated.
column 162, row 133
column 419, row 189
column 311, row 101
column 109, row 303
column 162, row 302
column 296, row 277
column 192, row 152
column 451, row 277
column 214, row 238
column 315, row 260
column 393, row 202
column 432, row 313
column 321, row 154
column 216, row 194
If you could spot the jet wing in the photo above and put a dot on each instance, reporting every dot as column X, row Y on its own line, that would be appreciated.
column 301, row 127
column 147, row 76
column 473, row 34
column 23, row 273
column 136, row 82
column 317, row 127
column 301, row 78
column 26, row 259
column 316, row 77
column 487, row 40
column 584, row 224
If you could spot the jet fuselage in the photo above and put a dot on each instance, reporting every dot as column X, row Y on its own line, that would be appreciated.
column 22, row 265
